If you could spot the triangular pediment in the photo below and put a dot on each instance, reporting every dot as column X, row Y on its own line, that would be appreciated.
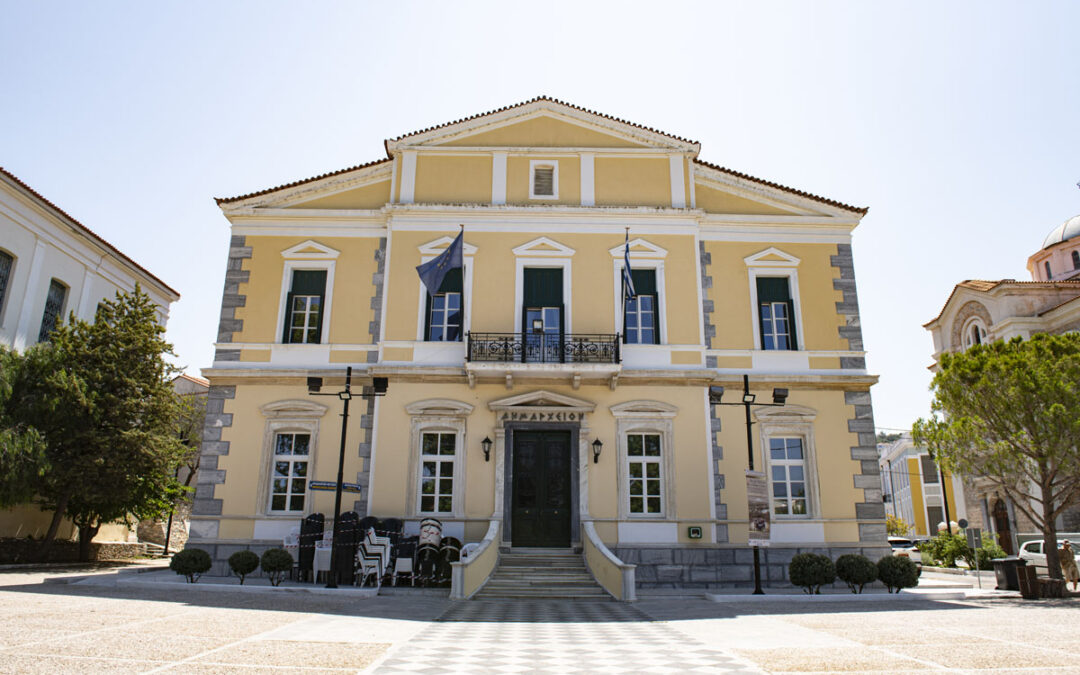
column 771, row 257
column 544, row 247
column 310, row 250
column 439, row 246
column 543, row 122
column 639, row 248
column 543, row 400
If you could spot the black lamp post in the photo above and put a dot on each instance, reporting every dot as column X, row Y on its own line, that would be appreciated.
column 314, row 384
column 748, row 399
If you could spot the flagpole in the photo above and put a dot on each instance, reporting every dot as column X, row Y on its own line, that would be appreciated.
column 465, row 336
column 622, row 285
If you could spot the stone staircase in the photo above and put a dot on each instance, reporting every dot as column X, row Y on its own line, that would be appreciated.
column 542, row 574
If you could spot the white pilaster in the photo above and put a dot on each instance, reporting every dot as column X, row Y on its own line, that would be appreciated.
column 498, row 178
column 84, row 311
column 678, row 184
column 33, row 288
column 408, row 176
column 588, row 183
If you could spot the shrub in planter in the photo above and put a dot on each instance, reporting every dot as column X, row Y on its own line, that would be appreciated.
column 897, row 572
column 243, row 563
column 192, row 563
column 944, row 549
column 811, row 571
column 856, row 571
column 276, row 562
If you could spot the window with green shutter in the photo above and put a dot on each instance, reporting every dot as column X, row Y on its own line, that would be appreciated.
column 642, row 318
column 776, row 313
column 304, row 307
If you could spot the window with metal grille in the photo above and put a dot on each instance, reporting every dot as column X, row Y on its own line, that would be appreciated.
column 288, row 483
column 437, row 472
column 54, row 307
column 788, row 465
column 776, row 313
column 6, row 263
column 645, row 473
column 642, row 324
column 444, row 317
column 304, row 307
column 929, row 469
column 544, row 181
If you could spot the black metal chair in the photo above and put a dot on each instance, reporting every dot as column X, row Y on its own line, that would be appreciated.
column 311, row 531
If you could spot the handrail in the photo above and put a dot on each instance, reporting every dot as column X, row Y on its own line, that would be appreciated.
column 469, row 576
column 617, row 577
column 543, row 347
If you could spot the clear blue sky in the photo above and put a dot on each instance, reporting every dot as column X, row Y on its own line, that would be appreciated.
column 958, row 124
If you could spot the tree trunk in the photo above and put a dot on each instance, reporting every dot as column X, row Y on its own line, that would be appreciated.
column 86, row 534
column 1053, row 562
column 54, row 526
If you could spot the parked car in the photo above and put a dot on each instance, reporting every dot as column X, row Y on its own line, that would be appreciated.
column 1032, row 551
column 907, row 548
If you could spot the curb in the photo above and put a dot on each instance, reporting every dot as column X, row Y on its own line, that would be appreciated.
column 237, row 588
column 838, row 597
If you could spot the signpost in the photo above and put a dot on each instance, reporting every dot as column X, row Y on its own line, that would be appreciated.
column 974, row 542
column 330, row 486
column 757, row 499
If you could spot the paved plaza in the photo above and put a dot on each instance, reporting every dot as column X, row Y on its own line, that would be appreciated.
column 99, row 627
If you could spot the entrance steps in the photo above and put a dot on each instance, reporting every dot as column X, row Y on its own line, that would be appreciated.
column 542, row 574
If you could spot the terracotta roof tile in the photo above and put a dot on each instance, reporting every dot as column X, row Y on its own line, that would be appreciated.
column 529, row 102
column 983, row 285
column 84, row 229
column 824, row 200
column 229, row 200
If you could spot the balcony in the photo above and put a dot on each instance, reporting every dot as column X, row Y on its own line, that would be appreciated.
column 573, row 348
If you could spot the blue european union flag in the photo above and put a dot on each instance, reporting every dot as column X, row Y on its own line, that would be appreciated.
column 434, row 271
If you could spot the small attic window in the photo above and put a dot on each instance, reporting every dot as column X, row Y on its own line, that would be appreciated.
column 543, row 180
column 1076, row 260
column 1046, row 266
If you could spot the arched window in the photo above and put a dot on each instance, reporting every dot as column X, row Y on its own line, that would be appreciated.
column 6, row 263
column 1046, row 266
column 1076, row 260
column 974, row 333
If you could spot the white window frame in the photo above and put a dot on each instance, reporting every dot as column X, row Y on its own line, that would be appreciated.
column 45, row 305
column 287, row 416
column 965, row 332
column 568, row 289
column 7, row 288
column 306, row 256
column 292, row 460
column 534, row 164
column 439, row 459
column 773, row 262
column 788, row 464
column 646, row 417
column 445, row 416
column 791, row 421
column 429, row 252
column 661, row 296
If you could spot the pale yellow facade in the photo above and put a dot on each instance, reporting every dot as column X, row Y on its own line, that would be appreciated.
column 546, row 191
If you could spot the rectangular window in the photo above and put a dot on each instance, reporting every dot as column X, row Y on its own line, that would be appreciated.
column 776, row 313
column 288, row 484
column 788, row 465
column 54, row 306
column 645, row 474
column 642, row 324
column 304, row 307
column 6, row 263
column 929, row 469
column 437, row 472
column 934, row 516
column 444, row 318
column 544, row 180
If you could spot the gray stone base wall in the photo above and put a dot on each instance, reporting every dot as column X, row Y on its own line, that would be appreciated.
column 220, row 552
column 716, row 568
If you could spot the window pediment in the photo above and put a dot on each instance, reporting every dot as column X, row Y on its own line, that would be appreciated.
column 644, row 408
column 310, row 250
column 789, row 413
column 439, row 246
column 443, row 407
column 544, row 248
column 639, row 248
column 293, row 409
column 771, row 257
column 543, row 399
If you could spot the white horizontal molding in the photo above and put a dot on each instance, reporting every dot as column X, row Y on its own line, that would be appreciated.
column 315, row 188
column 810, row 353
column 547, row 151
column 779, row 197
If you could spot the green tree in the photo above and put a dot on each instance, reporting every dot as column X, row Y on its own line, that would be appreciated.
column 896, row 526
column 22, row 448
column 99, row 397
column 1010, row 412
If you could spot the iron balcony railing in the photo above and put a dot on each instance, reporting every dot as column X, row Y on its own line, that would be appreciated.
column 544, row 348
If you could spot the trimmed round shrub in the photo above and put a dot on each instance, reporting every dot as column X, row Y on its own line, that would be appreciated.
column 243, row 563
column 192, row 563
column 856, row 571
column 897, row 572
column 276, row 562
column 811, row 571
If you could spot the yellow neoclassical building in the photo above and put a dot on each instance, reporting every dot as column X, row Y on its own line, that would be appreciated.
column 529, row 404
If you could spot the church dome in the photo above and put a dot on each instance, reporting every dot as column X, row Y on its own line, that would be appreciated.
column 1067, row 230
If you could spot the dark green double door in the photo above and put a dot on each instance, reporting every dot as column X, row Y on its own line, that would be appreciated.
column 540, row 501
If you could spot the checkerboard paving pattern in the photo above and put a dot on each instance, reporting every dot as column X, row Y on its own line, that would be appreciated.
column 534, row 636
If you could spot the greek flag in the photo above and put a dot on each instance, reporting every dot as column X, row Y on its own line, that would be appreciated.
column 434, row 271
column 627, row 281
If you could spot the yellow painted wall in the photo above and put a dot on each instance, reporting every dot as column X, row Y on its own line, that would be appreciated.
column 730, row 293
column 593, row 284
column 545, row 131
column 372, row 196
column 835, row 468
column 454, row 179
column 632, row 181
column 517, row 179
column 718, row 201
column 28, row 520
column 918, row 505
column 351, row 311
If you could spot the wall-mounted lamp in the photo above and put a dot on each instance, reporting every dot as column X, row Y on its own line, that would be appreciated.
column 314, row 384
column 597, row 446
column 485, row 445
column 779, row 396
